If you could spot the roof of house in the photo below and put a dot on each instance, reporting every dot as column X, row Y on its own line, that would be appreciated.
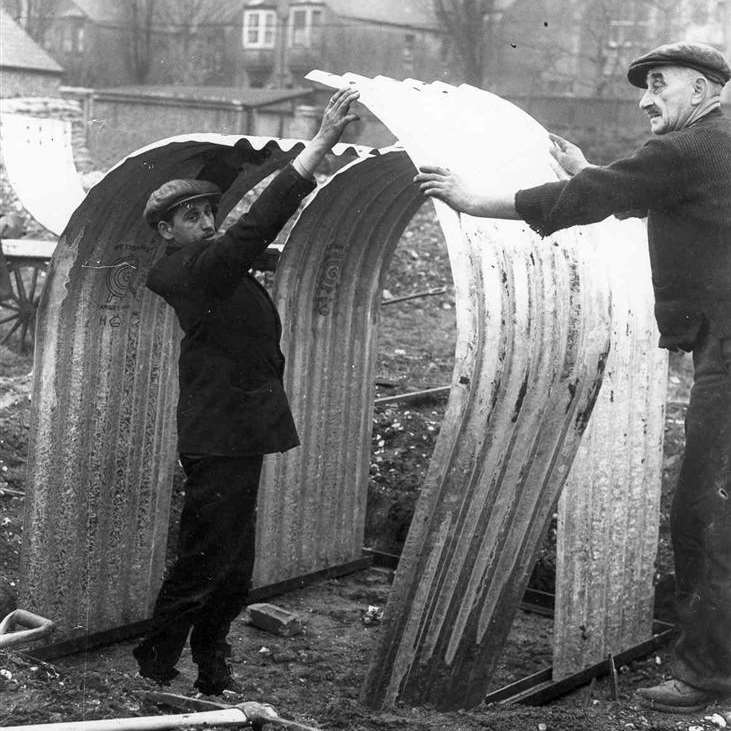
column 252, row 98
column 413, row 13
column 98, row 11
column 409, row 13
column 225, row 11
column 18, row 50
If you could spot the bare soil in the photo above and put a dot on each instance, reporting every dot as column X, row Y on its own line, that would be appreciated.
column 315, row 677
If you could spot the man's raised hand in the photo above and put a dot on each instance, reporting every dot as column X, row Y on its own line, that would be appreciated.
column 337, row 116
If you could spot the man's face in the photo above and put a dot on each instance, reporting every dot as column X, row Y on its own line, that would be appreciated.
column 192, row 222
column 668, row 99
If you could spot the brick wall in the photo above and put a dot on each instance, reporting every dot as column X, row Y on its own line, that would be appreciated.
column 19, row 82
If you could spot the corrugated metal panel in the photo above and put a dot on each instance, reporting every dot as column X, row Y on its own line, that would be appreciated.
column 532, row 335
column 328, row 288
column 102, row 439
column 610, row 508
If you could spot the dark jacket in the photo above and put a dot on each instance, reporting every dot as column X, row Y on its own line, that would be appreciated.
column 683, row 180
column 232, row 402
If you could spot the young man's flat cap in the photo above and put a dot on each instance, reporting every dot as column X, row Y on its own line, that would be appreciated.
column 174, row 193
column 698, row 56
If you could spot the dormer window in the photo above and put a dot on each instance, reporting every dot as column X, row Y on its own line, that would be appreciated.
column 305, row 27
column 259, row 28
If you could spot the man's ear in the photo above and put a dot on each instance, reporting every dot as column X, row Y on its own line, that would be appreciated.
column 165, row 230
column 700, row 90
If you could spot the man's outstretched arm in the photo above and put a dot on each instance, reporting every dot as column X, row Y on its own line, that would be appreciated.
column 449, row 187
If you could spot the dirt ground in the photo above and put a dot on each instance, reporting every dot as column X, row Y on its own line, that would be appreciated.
column 315, row 677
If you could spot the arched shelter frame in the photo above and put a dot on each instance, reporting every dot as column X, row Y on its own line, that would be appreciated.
column 534, row 329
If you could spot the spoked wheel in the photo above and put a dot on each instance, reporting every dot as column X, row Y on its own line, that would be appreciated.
column 18, row 311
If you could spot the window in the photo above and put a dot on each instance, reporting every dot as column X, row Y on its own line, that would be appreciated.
column 305, row 27
column 259, row 28
column 408, row 53
column 72, row 37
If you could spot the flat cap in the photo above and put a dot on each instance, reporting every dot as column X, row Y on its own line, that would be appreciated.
column 698, row 56
column 174, row 193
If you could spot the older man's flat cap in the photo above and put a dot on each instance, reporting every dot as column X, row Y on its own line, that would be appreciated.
column 698, row 56
column 175, row 193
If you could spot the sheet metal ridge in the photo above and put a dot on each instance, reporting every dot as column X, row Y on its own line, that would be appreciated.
column 255, row 142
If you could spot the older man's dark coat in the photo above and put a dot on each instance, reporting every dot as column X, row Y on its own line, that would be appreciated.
column 232, row 402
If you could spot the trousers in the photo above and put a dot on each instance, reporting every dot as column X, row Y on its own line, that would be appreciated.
column 700, row 524
column 207, row 586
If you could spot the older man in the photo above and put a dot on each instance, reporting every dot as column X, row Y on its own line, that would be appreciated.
column 680, row 179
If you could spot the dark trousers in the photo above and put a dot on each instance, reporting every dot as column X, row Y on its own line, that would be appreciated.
column 701, row 524
column 207, row 586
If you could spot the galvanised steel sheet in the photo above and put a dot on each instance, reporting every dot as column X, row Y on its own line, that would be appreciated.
column 533, row 332
column 102, row 437
column 609, row 512
column 31, row 145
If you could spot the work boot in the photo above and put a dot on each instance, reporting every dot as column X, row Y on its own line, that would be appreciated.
column 676, row 696
column 151, row 667
column 214, row 673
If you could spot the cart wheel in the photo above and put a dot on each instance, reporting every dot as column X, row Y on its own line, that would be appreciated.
column 18, row 312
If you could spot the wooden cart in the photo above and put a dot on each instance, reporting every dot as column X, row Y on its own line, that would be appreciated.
column 27, row 262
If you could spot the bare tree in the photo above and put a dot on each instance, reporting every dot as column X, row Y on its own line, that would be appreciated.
column 35, row 16
column 470, row 25
column 616, row 31
column 192, row 39
column 140, row 17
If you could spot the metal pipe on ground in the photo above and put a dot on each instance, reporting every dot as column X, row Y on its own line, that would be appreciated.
column 415, row 295
column 35, row 628
column 414, row 395
column 230, row 718
column 249, row 714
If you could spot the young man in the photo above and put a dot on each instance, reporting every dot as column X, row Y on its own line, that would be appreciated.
column 680, row 179
column 232, row 408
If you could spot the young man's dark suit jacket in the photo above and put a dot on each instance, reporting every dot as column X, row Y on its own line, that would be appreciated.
column 231, row 402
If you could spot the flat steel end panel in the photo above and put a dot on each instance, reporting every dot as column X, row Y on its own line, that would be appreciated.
column 39, row 163
column 102, row 444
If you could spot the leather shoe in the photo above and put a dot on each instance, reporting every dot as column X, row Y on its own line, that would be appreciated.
column 217, row 684
column 151, row 669
column 214, row 673
column 676, row 696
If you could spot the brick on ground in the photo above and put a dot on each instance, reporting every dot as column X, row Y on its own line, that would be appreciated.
column 274, row 619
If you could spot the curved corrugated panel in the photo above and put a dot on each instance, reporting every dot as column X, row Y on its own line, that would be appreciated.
column 610, row 508
column 328, row 285
column 102, row 438
column 533, row 334
column 533, row 337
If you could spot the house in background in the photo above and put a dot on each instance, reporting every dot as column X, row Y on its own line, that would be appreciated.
column 532, row 47
column 583, row 47
column 25, row 68
column 86, row 37
column 282, row 41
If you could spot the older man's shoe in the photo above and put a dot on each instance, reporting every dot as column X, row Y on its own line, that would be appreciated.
column 676, row 696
